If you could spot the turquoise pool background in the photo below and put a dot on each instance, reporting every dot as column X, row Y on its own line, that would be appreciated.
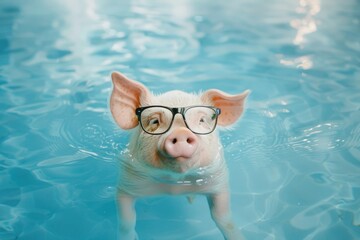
column 294, row 158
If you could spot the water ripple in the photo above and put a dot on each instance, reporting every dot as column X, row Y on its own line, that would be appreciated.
column 293, row 158
column 34, row 108
column 323, row 137
column 157, row 39
column 92, row 139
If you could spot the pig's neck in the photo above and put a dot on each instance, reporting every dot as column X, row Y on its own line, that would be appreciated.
column 199, row 176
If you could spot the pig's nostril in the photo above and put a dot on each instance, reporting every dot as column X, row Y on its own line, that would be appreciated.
column 188, row 140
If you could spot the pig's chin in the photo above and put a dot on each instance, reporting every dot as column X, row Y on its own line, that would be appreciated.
column 179, row 164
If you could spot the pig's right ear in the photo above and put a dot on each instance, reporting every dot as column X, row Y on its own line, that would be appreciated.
column 127, row 95
column 232, row 106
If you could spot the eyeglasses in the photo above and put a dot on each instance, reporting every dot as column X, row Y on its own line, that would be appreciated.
column 157, row 120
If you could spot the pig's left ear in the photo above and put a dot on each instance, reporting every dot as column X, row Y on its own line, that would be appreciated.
column 127, row 95
column 232, row 106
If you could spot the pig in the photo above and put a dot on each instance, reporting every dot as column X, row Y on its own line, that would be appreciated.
column 172, row 151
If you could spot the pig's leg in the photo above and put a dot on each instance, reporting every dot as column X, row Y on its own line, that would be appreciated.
column 127, row 217
column 219, row 204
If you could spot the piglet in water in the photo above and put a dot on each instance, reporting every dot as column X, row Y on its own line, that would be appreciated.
column 174, row 149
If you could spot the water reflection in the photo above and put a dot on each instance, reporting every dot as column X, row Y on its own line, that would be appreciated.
column 306, row 25
column 303, row 62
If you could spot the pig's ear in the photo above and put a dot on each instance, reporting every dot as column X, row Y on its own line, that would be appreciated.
column 232, row 106
column 125, row 98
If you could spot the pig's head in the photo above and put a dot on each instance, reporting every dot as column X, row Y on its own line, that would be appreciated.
column 179, row 149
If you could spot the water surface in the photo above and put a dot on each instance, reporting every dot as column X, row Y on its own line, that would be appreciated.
column 293, row 158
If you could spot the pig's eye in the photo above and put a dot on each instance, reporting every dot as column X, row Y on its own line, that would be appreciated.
column 153, row 124
column 204, row 121
column 154, row 121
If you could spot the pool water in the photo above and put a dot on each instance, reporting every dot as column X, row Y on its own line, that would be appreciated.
column 294, row 158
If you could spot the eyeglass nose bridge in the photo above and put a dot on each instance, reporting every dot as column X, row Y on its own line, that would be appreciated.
column 179, row 110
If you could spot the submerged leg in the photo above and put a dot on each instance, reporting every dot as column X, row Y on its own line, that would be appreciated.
column 219, row 205
column 127, row 217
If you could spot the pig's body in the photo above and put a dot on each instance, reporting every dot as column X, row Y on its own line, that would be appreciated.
column 138, row 179
column 177, row 161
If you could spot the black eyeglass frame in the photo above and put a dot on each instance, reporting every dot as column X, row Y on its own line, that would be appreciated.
column 178, row 110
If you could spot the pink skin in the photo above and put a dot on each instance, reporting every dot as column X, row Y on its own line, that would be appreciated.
column 172, row 155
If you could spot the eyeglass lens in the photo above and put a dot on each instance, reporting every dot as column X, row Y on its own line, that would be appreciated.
column 158, row 120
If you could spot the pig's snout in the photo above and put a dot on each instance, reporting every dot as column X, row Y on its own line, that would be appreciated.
column 181, row 143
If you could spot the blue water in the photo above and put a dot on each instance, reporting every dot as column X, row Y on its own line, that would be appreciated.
column 294, row 158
